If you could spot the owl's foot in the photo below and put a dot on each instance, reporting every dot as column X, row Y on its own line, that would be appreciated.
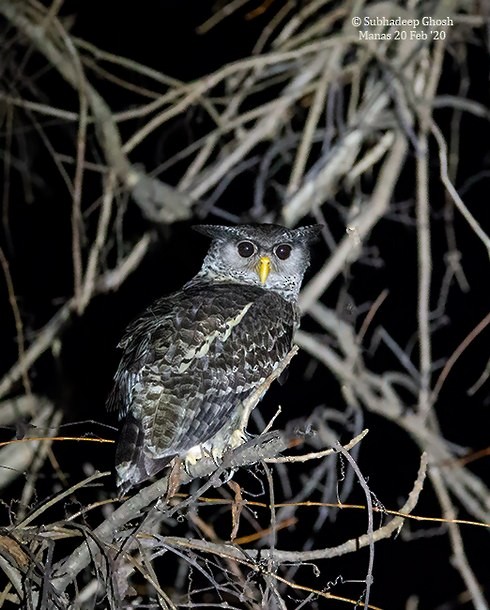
column 193, row 456
column 198, row 452
column 237, row 438
column 215, row 449
column 216, row 455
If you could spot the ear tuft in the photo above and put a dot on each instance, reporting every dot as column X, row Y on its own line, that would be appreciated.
column 311, row 232
column 214, row 231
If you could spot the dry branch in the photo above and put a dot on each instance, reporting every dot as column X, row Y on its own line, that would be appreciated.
column 351, row 546
column 158, row 201
column 341, row 125
column 107, row 282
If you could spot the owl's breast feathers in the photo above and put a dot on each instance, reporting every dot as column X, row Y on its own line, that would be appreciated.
column 187, row 365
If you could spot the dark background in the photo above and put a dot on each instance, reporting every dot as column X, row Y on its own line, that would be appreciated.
column 36, row 238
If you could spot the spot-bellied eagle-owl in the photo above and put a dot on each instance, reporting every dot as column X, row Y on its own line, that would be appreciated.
column 193, row 357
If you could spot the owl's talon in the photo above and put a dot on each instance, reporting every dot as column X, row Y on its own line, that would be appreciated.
column 216, row 456
column 238, row 437
column 192, row 457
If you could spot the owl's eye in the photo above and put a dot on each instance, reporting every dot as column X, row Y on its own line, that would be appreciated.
column 283, row 251
column 245, row 249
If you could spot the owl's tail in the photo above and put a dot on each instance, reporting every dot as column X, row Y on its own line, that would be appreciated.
column 133, row 464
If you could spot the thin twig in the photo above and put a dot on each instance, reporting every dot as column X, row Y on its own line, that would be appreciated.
column 317, row 455
column 467, row 215
column 459, row 556
column 424, row 276
column 360, row 227
column 109, row 281
column 19, row 327
column 370, row 529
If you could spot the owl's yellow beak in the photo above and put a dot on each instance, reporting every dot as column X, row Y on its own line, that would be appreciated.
column 263, row 268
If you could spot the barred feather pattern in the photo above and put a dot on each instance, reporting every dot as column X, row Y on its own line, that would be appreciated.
column 187, row 365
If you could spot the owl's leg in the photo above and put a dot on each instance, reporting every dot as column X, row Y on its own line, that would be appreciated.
column 193, row 456
column 239, row 434
column 198, row 452
column 238, row 437
column 230, row 436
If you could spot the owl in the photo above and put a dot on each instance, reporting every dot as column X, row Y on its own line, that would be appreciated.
column 193, row 357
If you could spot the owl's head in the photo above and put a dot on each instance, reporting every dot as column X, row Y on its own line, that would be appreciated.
column 265, row 255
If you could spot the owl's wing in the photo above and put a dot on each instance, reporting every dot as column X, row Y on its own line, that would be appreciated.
column 188, row 363
column 137, row 345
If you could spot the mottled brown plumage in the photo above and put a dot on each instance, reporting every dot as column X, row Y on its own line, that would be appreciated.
column 192, row 358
